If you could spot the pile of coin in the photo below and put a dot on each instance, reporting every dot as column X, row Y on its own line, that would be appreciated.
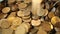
column 30, row 17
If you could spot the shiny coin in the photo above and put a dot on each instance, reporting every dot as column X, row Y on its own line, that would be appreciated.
column 35, row 22
column 5, row 23
column 55, row 19
column 6, row 10
column 46, row 12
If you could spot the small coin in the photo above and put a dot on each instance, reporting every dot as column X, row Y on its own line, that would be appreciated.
column 55, row 19
column 7, row 31
column 20, row 30
column 27, row 1
column 22, row 5
column 35, row 22
column 5, row 23
column 6, row 10
column 27, row 20
column 51, row 14
column 17, row 21
column 20, row 13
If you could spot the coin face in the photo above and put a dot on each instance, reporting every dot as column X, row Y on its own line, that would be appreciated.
column 5, row 23
column 6, row 10
column 35, row 22
column 20, row 30
column 7, row 31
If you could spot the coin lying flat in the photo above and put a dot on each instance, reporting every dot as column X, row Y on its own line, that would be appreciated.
column 20, row 13
column 41, row 31
column 20, row 30
column 25, row 17
column 22, row 5
column 17, row 21
column 6, row 10
column 5, row 23
column 27, row 1
column 55, row 19
column 51, row 14
column 35, row 22
column 35, row 17
column 7, row 31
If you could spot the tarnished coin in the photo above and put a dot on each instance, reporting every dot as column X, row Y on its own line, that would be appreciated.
column 27, row 1
column 6, row 10
column 27, row 20
column 20, row 13
column 5, row 23
column 22, row 5
column 55, row 19
column 17, row 21
column 20, row 30
column 7, row 31
column 35, row 22
column 51, row 14
column 41, row 31
column 3, row 15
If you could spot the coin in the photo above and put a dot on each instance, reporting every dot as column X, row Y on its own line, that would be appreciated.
column 6, row 10
column 27, row 20
column 35, row 22
column 20, row 30
column 55, row 19
column 5, row 23
column 46, row 12
column 25, row 17
column 35, row 17
column 22, row 5
column 51, row 14
column 41, row 31
column 20, row 13
column 11, row 1
column 27, row 1
column 17, row 21
column 7, row 31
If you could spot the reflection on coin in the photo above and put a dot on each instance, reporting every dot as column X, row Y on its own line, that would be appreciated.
column 20, row 13
column 22, row 5
column 7, row 31
column 6, row 10
column 17, row 21
column 35, row 22
column 55, row 19
column 20, row 30
column 27, row 1
column 5, row 23
column 51, row 14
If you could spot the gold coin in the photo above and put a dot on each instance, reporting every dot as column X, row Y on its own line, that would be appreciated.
column 35, row 17
column 27, row 20
column 17, row 21
column 7, row 31
column 41, row 31
column 20, row 13
column 5, row 23
column 51, row 14
column 35, row 22
column 46, row 12
column 46, row 26
column 25, row 17
column 12, row 14
column 6, row 10
column 20, row 30
column 11, row 1
column 55, row 19
column 27, row 1
column 22, row 5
